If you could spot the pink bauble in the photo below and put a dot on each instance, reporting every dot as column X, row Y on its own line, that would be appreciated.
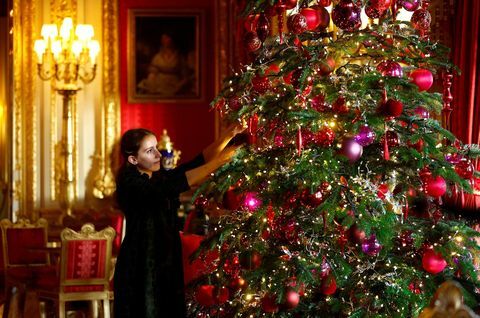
column 433, row 262
column 292, row 298
column 409, row 5
column 351, row 149
column 435, row 186
column 422, row 112
column 311, row 15
column 346, row 15
column 390, row 68
column 422, row 78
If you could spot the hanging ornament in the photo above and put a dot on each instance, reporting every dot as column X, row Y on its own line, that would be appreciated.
column 328, row 285
column 269, row 303
column 261, row 84
column 204, row 295
column 390, row 68
column 237, row 283
column 351, row 149
column 415, row 288
column 312, row 18
column 318, row 103
column 421, row 112
column 278, row 140
column 346, row 15
column 324, row 137
column 252, row 129
column 323, row 16
column 251, row 22
column 422, row 78
column 409, row 5
column 263, row 27
column 421, row 20
column 433, row 262
column 251, row 41
column 231, row 266
column 382, row 191
column 453, row 158
column 435, row 186
column 355, row 234
column 299, row 141
column 418, row 146
column 231, row 200
column 406, row 239
column 292, row 298
column 324, row 3
column 297, row 23
column 340, row 105
column 250, row 260
column 374, row 12
column 371, row 246
column 234, row 103
column 391, row 108
column 365, row 136
column 251, row 201
column 326, row 66
column 287, row 4
column 392, row 139
column 465, row 168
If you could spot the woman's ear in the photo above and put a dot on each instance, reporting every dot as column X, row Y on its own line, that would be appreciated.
column 133, row 160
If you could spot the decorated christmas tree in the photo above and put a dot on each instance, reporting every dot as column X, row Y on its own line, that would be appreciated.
column 335, row 204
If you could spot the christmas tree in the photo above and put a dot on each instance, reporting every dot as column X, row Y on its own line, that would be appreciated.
column 336, row 202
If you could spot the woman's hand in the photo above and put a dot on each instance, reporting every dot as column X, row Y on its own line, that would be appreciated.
column 234, row 129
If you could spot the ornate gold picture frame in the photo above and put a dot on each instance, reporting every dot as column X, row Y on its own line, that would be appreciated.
column 164, row 53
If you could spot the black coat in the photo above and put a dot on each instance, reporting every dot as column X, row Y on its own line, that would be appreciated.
column 148, row 279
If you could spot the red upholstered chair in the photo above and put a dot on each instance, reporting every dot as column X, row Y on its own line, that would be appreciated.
column 21, row 262
column 84, row 269
column 201, row 265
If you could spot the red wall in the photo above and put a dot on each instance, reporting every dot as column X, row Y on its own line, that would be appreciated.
column 190, row 125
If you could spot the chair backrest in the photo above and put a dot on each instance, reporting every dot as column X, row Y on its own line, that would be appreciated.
column 85, row 259
column 19, row 241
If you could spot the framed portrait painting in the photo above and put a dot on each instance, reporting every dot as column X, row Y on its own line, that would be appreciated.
column 164, row 56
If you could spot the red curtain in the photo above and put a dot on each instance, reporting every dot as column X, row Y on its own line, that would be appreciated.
column 466, row 87
column 465, row 118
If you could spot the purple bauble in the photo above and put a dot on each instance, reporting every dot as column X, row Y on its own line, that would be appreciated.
column 371, row 246
column 390, row 68
column 421, row 19
column 453, row 158
column 422, row 112
column 365, row 136
column 351, row 149
column 346, row 15
column 409, row 5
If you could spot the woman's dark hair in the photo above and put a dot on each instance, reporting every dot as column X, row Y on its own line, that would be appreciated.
column 131, row 140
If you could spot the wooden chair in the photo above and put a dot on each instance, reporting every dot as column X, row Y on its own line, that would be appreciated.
column 22, row 263
column 84, row 269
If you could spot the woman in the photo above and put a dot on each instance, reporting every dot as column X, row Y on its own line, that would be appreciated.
column 148, row 278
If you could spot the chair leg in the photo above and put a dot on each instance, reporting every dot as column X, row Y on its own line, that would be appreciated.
column 61, row 309
column 8, row 298
column 106, row 308
column 94, row 308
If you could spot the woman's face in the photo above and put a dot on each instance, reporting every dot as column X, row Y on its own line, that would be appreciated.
column 148, row 157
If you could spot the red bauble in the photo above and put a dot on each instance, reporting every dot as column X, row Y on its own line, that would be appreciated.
column 232, row 266
column 272, row 69
column 329, row 285
column 287, row 4
column 381, row 4
column 326, row 66
column 312, row 17
column 392, row 139
column 205, row 295
column 318, row 103
column 292, row 298
column 409, row 5
column 234, row 103
column 263, row 27
column 340, row 105
column 250, row 260
column 237, row 283
column 346, row 15
column 418, row 146
column 433, row 262
column 391, row 108
column 421, row 19
column 269, row 303
column 297, row 23
column 232, row 200
column 324, row 3
column 390, row 68
column 355, row 234
column 465, row 168
column 261, row 84
column 422, row 78
column 324, row 137
column 374, row 12
column 251, row 22
column 221, row 295
column 323, row 16
column 251, row 41
column 435, row 186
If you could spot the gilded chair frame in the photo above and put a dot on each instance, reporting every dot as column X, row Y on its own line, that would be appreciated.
column 60, row 297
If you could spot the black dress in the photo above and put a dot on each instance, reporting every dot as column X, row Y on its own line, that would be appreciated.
column 148, row 279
